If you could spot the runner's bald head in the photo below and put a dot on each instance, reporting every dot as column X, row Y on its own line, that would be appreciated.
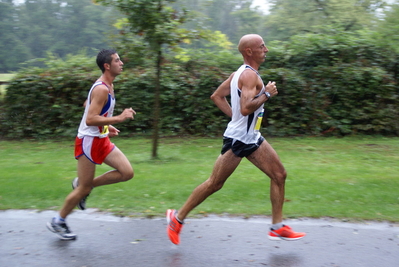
column 247, row 41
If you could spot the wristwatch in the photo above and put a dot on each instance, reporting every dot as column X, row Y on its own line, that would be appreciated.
column 268, row 95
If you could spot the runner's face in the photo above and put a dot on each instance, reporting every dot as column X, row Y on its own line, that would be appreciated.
column 116, row 65
column 259, row 51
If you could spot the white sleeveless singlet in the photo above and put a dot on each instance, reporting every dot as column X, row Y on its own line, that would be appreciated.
column 242, row 127
column 107, row 111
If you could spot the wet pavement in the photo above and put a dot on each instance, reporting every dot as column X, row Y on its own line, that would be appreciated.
column 106, row 240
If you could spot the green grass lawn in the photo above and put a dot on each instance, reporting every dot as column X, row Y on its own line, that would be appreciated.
column 353, row 178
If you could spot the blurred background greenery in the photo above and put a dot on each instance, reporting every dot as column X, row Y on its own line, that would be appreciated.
column 335, row 64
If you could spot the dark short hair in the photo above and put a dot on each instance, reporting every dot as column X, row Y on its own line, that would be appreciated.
column 104, row 56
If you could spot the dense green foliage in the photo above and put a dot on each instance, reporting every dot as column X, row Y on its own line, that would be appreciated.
column 343, row 83
column 48, row 102
column 43, row 102
column 337, row 84
column 292, row 17
column 339, row 77
column 30, row 29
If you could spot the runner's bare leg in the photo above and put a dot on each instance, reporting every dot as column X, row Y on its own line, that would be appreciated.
column 267, row 160
column 223, row 168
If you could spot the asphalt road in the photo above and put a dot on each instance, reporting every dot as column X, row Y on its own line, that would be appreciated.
column 105, row 240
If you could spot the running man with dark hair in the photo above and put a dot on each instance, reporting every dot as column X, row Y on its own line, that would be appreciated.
column 93, row 145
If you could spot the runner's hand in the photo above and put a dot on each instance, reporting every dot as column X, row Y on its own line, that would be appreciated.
column 271, row 88
column 113, row 131
column 128, row 113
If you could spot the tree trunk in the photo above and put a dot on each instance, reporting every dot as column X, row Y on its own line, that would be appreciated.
column 157, row 106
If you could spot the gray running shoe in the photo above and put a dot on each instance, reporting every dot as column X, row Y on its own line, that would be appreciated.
column 82, row 203
column 61, row 229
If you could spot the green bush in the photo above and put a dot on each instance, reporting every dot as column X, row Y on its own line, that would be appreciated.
column 338, row 85
column 48, row 102
column 360, row 99
column 185, row 104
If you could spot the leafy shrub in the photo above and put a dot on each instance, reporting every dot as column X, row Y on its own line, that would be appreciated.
column 48, row 102
column 337, row 85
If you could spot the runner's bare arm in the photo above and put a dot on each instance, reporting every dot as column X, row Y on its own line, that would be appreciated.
column 99, row 97
column 219, row 96
column 250, row 85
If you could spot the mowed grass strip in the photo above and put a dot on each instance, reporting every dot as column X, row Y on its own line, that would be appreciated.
column 354, row 178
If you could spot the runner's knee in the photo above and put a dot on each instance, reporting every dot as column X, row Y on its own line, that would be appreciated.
column 126, row 175
column 84, row 190
column 215, row 186
column 279, row 177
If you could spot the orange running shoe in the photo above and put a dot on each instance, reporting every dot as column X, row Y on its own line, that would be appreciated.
column 174, row 226
column 285, row 233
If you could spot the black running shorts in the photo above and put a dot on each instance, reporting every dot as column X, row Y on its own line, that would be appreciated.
column 239, row 148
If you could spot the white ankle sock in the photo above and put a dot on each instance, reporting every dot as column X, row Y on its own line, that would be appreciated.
column 59, row 219
column 178, row 219
column 277, row 226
